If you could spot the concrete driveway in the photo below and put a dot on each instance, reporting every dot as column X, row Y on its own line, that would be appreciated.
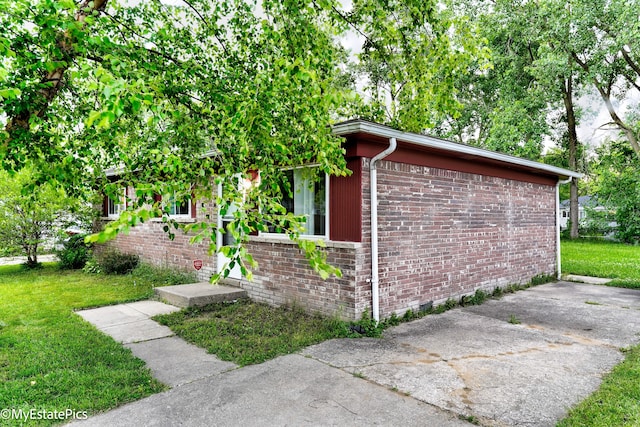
column 472, row 361
column 436, row 371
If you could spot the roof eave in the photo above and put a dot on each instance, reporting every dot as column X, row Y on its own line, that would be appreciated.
column 356, row 126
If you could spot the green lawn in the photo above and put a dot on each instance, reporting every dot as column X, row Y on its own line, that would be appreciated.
column 617, row 402
column 602, row 259
column 50, row 359
column 246, row 332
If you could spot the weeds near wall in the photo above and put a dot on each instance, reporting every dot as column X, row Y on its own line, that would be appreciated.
column 368, row 327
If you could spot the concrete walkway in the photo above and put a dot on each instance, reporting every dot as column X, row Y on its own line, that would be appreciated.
column 13, row 260
column 170, row 359
column 468, row 363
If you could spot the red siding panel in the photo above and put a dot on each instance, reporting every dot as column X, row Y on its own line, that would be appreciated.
column 369, row 145
column 345, row 204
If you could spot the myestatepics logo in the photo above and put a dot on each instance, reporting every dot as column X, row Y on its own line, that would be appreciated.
column 41, row 414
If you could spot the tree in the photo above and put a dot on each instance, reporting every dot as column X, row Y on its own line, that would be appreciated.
column 170, row 95
column 605, row 43
column 413, row 51
column 31, row 215
column 616, row 182
column 529, row 93
column 557, row 74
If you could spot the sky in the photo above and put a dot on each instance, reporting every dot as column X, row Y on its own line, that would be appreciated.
column 593, row 129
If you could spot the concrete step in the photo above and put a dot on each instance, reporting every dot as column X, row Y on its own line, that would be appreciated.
column 198, row 294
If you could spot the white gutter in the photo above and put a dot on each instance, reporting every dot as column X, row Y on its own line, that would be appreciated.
column 558, row 257
column 460, row 150
column 375, row 280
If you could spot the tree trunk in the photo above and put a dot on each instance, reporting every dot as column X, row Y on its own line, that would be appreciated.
column 18, row 126
column 567, row 95
column 32, row 255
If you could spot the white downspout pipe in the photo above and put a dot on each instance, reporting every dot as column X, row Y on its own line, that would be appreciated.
column 558, row 257
column 375, row 280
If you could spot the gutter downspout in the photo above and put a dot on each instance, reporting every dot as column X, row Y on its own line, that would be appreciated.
column 375, row 280
column 559, row 261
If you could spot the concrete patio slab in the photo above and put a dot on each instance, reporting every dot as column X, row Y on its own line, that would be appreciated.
column 474, row 362
column 584, row 316
column 176, row 362
column 571, row 291
column 198, row 294
column 468, row 363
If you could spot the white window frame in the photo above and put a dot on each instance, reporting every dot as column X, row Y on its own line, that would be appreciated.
column 324, row 236
column 118, row 208
column 173, row 207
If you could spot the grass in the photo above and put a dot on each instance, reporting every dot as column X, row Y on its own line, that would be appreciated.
column 50, row 359
column 602, row 259
column 246, row 332
column 617, row 401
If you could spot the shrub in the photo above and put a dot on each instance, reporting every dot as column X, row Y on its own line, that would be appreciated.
column 116, row 262
column 74, row 253
column 92, row 266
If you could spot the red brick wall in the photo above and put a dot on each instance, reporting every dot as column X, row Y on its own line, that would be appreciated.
column 152, row 244
column 445, row 234
column 442, row 234
column 283, row 276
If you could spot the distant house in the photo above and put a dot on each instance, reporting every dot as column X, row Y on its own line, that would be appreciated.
column 585, row 204
column 419, row 220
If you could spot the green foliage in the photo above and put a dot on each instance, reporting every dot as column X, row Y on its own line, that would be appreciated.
column 113, row 261
column 92, row 266
column 30, row 214
column 514, row 320
column 367, row 326
column 413, row 52
column 50, row 357
column 74, row 254
column 175, row 93
column 476, row 299
column 504, row 106
column 597, row 223
column 616, row 182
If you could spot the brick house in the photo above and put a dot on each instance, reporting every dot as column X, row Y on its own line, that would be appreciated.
column 451, row 219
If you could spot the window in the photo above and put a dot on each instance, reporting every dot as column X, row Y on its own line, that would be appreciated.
column 177, row 209
column 115, row 207
column 184, row 209
column 309, row 200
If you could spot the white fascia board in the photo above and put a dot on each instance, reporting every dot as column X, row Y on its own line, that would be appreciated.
column 355, row 126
